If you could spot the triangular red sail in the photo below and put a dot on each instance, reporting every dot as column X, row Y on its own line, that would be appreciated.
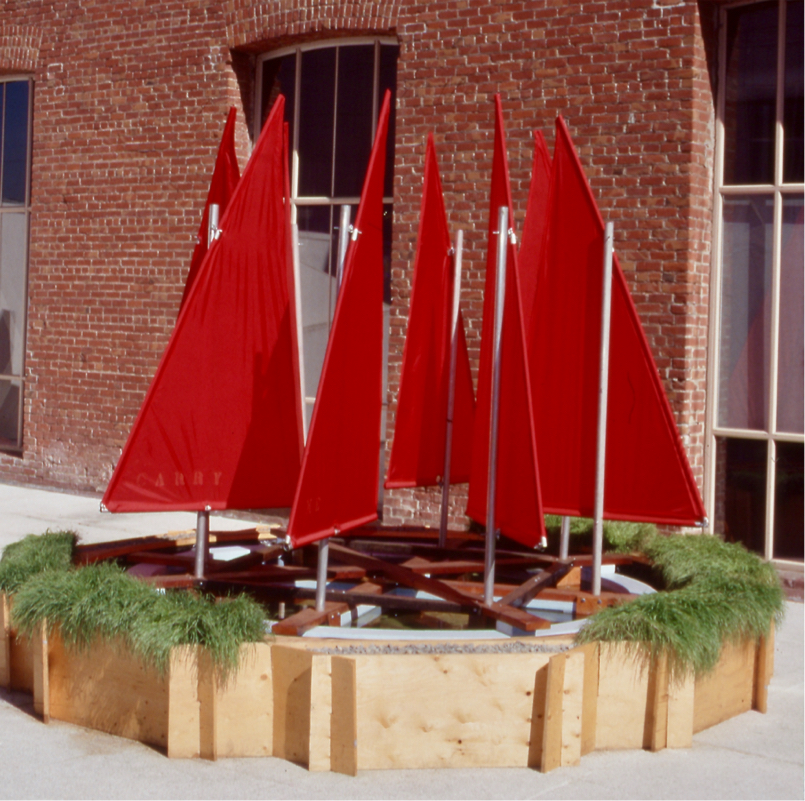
column 648, row 477
column 518, row 506
column 225, row 178
column 534, row 227
column 221, row 423
column 417, row 455
column 338, row 486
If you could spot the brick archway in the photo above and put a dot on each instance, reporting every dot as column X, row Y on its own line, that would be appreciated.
column 250, row 25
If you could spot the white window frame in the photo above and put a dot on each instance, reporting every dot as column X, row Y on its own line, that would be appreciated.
column 778, row 189
column 25, row 209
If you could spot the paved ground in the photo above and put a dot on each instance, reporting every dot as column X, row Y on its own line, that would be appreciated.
column 752, row 756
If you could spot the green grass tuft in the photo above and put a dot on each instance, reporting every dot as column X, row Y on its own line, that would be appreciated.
column 716, row 592
column 49, row 552
column 103, row 601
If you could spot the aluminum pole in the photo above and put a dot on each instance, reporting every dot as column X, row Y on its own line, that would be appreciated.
column 324, row 545
column 564, row 538
column 202, row 541
column 212, row 223
column 321, row 573
column 603, row 390
column 491, row 476
column 451, row 386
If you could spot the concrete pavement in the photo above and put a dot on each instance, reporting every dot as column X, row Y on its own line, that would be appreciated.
column 751, row 756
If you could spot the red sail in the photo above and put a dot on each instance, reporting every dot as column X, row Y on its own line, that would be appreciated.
column 518, row 504
column 417, row 456
column 225, row 178
column 221, row 423
column 534, row 228
column 338, row 485
column 648, row 477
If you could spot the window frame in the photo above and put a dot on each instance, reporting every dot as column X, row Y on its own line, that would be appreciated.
column 779, row 191
column 6, row 446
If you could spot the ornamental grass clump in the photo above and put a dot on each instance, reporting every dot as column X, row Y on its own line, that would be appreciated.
column 101, row 601
column 48, row 552
column 716, row 592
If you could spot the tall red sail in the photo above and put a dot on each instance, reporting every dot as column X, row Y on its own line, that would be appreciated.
column 417, row 455
column 338, row 485
column 221, row 423
column 225, row 177
column 518, row 505
column 536, row 215
column 648, row 477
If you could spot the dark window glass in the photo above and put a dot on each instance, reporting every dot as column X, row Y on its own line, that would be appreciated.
column 354, row 118
column 279, row 77
column 794, row 100
column 9, row 414
column 388, row 80
column 751, row 83
column 788, row 502
column 744, row 338
column 316, row 108
column 740, row 514
column 791, row 353
column 15, row 142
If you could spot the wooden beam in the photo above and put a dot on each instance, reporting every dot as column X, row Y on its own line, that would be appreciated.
column 309, row 618
column 506, row 614
column 526, row 591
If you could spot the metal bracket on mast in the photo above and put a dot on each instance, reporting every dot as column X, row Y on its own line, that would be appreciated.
column 451, row 391
column 491, row 477
column 213, row 231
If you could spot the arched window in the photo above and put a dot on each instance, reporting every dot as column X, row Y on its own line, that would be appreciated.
column 333, row 90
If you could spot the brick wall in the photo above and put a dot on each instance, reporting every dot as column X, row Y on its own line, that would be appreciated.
column 130, row 100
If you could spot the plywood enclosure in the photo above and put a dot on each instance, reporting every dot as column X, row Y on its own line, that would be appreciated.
column 390, row 710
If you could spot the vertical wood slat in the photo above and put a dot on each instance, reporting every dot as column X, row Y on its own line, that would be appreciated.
column 5, row 643
column 344, row 718
column 552, row 732
column 208, row 706
column 589, row 713
column 183, row 729
column 657, row 708
column 39, row 643
column 572, row 708
column 764, row 667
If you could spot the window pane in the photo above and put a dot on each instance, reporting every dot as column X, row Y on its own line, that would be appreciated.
column 279, row 78
column 794, row 100
column 353, row 138
column 317, row 286
column 788, row 506
column 13, row 241
column 15, row 139
column 10, row 392
column 740, row 506
column 316, row 107
column 745, row 311
column 750, row 108
column 790, row 373
column 388, row 80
